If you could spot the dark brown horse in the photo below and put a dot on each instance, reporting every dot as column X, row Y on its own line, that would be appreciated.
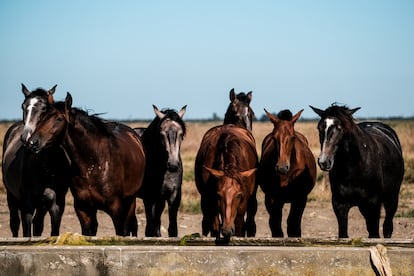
column 164, row 171
column 107, row 164
column 35, row 184
column 239, row 112
column 225, row 176
column 287, row 171
column 365, row 165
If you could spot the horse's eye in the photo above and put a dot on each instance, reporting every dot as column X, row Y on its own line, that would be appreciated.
column 239, row 196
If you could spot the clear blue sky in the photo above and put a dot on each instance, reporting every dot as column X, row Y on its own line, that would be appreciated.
column 120, row 57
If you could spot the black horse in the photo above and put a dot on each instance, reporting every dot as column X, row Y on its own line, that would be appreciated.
column 239, row 111
column 365, row 167
column 35, row 184
column 164, row 171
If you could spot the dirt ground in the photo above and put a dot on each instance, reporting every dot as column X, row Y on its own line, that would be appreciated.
column 318, row 222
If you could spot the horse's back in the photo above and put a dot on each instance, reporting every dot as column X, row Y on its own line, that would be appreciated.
column 379, row 129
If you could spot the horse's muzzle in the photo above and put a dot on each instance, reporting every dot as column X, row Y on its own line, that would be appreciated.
column 325, row 164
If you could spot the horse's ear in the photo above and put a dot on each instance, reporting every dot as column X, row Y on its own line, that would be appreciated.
column 68, row 101
column 25, row 91
column 232, row 95
column 50, row 93
column 273, row 118
column 248, row 172
column 318, row 111
column 182, row 111
column 297, row 116
column 352, row 111
column 249, row 96
column 158, row 112
column 216, row 173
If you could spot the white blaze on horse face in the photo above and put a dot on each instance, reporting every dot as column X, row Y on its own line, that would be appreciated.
column 29, row 126
column 326, row 151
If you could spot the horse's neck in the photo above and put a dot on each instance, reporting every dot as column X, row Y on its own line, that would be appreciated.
column 79, row 144
column 353, row 146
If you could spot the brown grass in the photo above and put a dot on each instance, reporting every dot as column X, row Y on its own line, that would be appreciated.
column 196, row 130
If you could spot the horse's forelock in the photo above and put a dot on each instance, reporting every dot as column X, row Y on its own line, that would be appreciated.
column 173, row 115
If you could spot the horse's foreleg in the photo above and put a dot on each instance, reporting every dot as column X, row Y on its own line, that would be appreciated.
column 158, row 209
column 250, row 225
column 295, row 217
column 173, row 205
column 274, row 209
column 14, row 214
column 149, row 214
column 371, row 213
column 341, row 211
column 209, row 217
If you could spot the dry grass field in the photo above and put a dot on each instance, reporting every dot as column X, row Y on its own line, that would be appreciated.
column 318, row 219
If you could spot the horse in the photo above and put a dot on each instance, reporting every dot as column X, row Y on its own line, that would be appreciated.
column 239, row 111
column 35, row 184
column 288, row 172
column 365, row 166
column 164, row 171
column 225, row 176
column 107, row 164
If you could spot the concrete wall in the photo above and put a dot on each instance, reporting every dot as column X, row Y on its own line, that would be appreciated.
column 196, row 260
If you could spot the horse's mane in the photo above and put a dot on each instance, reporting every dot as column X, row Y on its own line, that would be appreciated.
column 227, row 160
column 90, row 122
column 39, row 92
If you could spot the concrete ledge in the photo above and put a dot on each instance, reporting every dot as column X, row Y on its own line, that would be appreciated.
column 299, row 257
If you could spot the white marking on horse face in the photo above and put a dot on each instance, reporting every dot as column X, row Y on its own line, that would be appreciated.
column 29, row 110
column 328, row 122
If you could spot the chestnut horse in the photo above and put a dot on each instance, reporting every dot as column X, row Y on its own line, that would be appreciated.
column 225, row 177
column 107, row 164
column 164, row 170
column 365, row 165
column 288, row 173
column 35, row 184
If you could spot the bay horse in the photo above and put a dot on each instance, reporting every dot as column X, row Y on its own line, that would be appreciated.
column 164, row 171
column 365, row 165
column 239, row 111
column 107, row 164
column 287, row 171
column 35, row 184
column 225, row 176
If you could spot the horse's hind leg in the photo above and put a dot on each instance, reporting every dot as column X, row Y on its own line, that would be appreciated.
column 251, row 213
column 390, row 207
column 295, row 218
column 38, row 221
column 14, row 214
column 88, row 221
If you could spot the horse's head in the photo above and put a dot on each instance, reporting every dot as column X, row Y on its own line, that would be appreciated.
column 239, row 111
column 284, row 137
column 231, row 197
column 52, row 127
column 336, row 121
column 34, row 105
column 172, row 130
